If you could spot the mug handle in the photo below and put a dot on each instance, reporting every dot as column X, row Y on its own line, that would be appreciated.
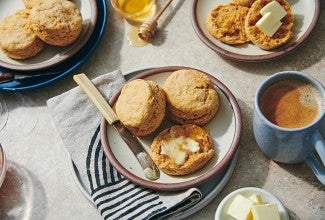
column 318, row 166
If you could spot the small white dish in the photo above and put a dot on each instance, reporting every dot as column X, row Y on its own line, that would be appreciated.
column 221, row 213
column 3, row 165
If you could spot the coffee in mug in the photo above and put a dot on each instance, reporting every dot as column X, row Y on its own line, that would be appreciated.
column 289, row 114
column 291, row 103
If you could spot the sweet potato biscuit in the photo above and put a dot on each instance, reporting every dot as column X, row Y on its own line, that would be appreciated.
column 56, row 22
column 182, row 150
column 29, row 4
column 141, row 106
column 246, row 3
column 258, row 37
column 227, row 23
column 191, row 97
column 17, row 40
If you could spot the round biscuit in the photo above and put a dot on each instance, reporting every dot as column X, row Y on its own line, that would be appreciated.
column 193, row 160
column 56, row 22
column 258, row 37
column 141, row 106
column 17, row 40
column 29, row 4
column 246, row 3
column 191, row 97
column 227, row 23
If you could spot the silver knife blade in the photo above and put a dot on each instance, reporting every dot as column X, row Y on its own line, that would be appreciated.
column 8, row 77
column 150, row 169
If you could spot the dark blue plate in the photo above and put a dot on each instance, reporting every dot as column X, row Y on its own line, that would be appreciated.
column 62, row 69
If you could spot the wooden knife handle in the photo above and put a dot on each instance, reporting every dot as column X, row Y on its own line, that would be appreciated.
column 96, row 97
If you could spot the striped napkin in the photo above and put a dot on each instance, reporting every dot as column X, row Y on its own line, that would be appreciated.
column 78, row 123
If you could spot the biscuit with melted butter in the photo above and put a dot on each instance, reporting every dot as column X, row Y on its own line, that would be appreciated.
column 258, row 37
column 227, row 23
column 182, row 150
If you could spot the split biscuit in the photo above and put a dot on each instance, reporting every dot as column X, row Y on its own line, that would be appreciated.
column 227, row 23
column 141, row 106
column 56, row 22
column 182, row 150
column 191, row 97
column 258, row 37
column 246, row 3
column 29, row 4
column 17, row 40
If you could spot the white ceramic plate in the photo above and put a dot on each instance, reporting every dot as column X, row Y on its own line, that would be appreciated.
column 224, row 129
column 306, row 16
column 221, row 213
column 51, row 55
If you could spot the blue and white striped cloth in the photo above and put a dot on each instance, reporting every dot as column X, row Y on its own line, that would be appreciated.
column 77, row 121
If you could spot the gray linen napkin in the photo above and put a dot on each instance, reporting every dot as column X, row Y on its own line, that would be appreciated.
column 78, row 122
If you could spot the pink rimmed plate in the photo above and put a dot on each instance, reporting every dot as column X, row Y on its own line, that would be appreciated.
column 224, row 128
column 306, row 16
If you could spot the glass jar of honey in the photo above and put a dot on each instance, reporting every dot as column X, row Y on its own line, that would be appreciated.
column 135, row 10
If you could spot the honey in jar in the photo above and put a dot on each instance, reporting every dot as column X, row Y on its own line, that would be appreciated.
column 135, row 10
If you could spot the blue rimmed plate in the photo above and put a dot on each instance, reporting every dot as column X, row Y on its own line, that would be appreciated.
column 51, row 55
column 45, row 77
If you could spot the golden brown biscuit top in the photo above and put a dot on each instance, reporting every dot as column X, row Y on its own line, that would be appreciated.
column 56, row 15
column 190, row 90
column 134, row 102
column 226, row 23
column 15, row 31
column 246, row 3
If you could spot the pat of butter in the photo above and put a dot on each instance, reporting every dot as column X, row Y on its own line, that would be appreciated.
column 178, row 147
column 256, row 198
column 240, row 208
column 272, row 13
column 268, row 24
column 265, row 212
column 275, row 8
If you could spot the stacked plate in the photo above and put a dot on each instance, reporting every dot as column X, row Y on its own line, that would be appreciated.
column 54, row 63
column 225, row 131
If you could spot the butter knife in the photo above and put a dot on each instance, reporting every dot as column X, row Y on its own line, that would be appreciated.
column 8, row 77
column 150, row 169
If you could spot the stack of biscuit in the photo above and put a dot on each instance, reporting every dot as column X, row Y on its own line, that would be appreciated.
column 188, row 98
column 26, row 32
column 191, row 97
column 234, row 24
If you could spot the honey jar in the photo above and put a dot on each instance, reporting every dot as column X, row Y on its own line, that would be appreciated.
column 135, row 10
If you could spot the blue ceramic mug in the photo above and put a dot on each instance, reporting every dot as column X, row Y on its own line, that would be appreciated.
column 287, row 130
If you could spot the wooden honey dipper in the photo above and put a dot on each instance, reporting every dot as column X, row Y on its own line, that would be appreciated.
column 148, row 28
